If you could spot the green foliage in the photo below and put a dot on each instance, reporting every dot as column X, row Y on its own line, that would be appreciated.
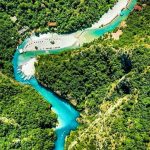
column 26, row 119
column 8, row 38
column 77, row 75
column 97, row 76
column 84, row 76
column 70, row 15
column 134, row 121
column 136, row 33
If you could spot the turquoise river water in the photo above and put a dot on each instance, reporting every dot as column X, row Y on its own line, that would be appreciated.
column 67, row 115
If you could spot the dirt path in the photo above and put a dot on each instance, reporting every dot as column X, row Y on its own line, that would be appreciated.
column 102, row 118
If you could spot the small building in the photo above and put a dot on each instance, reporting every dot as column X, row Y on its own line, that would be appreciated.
column 52, row 24
column 25, row 28
column 137, row 7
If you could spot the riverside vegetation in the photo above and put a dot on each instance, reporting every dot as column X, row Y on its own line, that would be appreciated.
column 26, row 120
column 36, row 15
column 70, row 15
column 108, row 82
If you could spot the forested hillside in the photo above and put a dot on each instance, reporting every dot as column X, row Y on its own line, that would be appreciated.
column 9, row 40
column 26, row 120
column 121, row 121
column 74, row 75
column 108, row 82
column 69, row 15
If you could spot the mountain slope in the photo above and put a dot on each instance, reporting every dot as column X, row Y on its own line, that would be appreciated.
column 108, row 82
column 26, row 119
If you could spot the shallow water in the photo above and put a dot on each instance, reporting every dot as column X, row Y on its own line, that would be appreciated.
column 67, row 115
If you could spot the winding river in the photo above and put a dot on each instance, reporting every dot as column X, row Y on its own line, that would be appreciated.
column 67, row 115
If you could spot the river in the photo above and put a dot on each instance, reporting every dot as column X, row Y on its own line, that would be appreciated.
column 66, row 114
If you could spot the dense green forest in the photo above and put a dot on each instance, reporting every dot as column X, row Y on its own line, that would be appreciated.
column 9, row 41
column 26, row 120
column 108, row 82
column 122, row 120
column 74, row 75
column 70, row 15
